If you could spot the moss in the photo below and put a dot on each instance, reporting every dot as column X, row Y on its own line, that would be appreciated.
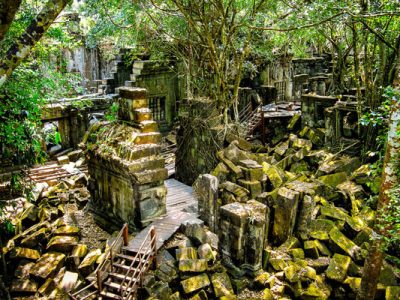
column 337, row 269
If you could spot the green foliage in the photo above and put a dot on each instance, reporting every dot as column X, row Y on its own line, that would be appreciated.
column 112, row 113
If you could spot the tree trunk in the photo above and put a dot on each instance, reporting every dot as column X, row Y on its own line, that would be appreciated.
column 8, row 9
column 390, row 179
column 24, row 44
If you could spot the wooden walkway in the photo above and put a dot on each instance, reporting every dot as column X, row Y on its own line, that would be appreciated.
column 181, row 207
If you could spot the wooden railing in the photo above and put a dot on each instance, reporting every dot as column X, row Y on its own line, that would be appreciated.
column 247, row 116
column 145, row 256
column 106, row 265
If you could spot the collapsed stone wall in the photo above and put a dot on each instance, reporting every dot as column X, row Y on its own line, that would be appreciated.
column 126, row 170
column 294, row 216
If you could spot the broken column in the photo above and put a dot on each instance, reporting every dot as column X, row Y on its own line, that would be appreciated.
column 126, row 171
column 242, row 232
column 206, row 187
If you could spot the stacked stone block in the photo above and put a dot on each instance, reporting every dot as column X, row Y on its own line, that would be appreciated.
column 127, row 172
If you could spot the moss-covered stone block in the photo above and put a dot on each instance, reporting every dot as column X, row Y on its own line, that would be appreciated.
column 221, row 284
column 333, row 180
column 24, row 253
column 195, row 283
column 253, row 186
column 47, row 265
column 337, row 269
column 88, row 263
column 275, row 175
column 392, row 293
column 286, row 207
column 344, row 243
column 193, row 265
column 186, row 253
column 62, row 243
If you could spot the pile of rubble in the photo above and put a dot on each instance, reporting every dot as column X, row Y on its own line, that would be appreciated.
column 52, row 253
column 188, row 267
column 294, row 217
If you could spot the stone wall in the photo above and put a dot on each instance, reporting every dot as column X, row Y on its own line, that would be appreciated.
column 161, row 81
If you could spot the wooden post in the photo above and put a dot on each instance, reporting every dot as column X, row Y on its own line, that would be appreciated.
column 111, row 259
column 153, row 240
column 125, row 234
column 262, row 126
column 99, row 282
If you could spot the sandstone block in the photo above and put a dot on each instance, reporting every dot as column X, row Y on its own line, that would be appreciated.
column 192, row 265
column 221, row 284
column 48, row 265
column 195, row 283
column 338, row 267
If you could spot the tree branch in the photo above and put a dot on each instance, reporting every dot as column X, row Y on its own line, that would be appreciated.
column 8, row 9
column 297, row 27
column 24, row 44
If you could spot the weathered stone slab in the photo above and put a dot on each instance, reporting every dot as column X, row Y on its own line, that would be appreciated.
column 337, row 269
column 206, row 187
column 344, row 243
column 24, row 253
column 47, row 265
column 193, row 265
column 88, row 263
column 285, row 214
column 24, row 286
column 195, row 283
column 186, row 253
column 221, row 284
column 62, row 243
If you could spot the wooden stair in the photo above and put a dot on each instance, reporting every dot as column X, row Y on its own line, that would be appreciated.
column 250, row 120
column 121, row 273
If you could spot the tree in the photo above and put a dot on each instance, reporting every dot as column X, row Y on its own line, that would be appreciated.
column 390, row 180
column 24, row 44
column 8, row 9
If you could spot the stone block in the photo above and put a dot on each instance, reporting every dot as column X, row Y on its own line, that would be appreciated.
column 275, row 175
column 344, row 243
column 149, row 176
column 253, row 186
column 337, row 269
column 333, row 180
column 47, row 265
column 252, row 171
column 221, row 284
column 193, row 265
column 62, row 243
column 24, row 286
column 77, row 253
column 63, row 160
column 194, row 229
column 32, row 240
column 67, row 230
column 205, row 252
column 24, row 253
column 195, row 283
column 334, row 213
column 240, row 193
column 307, row 207
column 88, row 263
column 281, row 148
column 255, row 236
column 186, row 253
column 148, row 138
column 206, row 187
column 285, row 213
column 132, row 93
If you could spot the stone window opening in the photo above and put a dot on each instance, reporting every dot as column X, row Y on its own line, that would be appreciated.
column 157, row 106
